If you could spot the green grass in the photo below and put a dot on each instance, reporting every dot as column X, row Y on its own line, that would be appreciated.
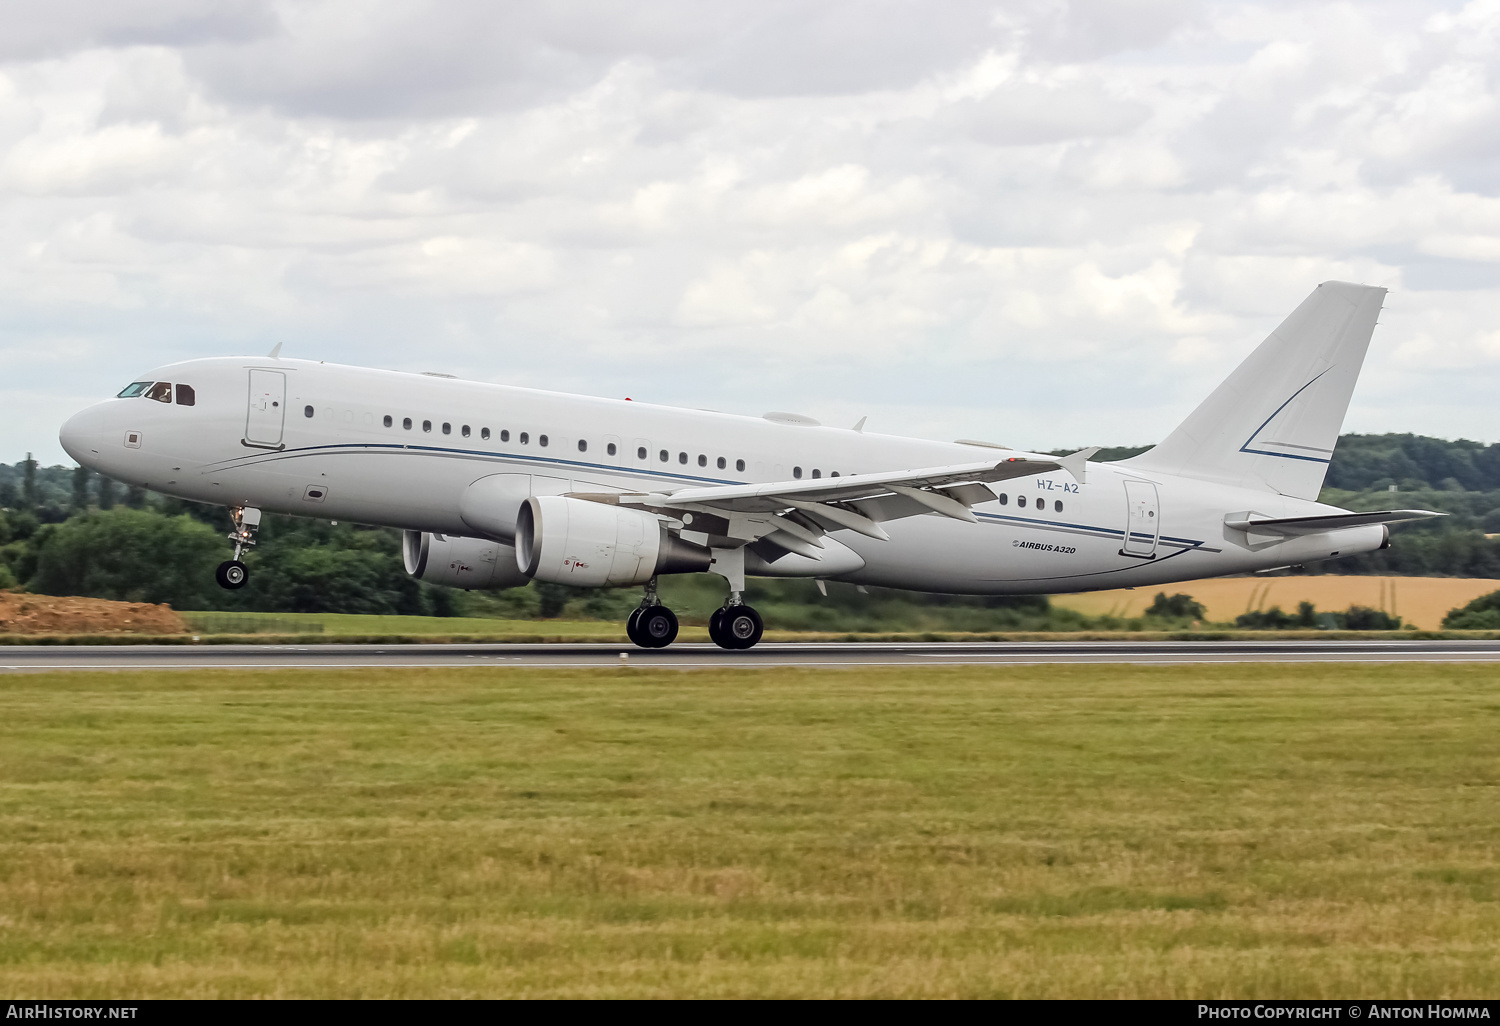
column 390, row 629
column 1183, row 831
column 366, row 625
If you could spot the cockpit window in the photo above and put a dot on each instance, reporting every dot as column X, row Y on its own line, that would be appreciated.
column 186, row 396
column 161, row 392
column 134, row 389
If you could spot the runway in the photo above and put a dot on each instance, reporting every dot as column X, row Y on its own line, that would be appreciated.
column 32, row 658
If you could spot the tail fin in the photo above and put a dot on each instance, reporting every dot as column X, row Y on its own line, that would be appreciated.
column 1273, row 423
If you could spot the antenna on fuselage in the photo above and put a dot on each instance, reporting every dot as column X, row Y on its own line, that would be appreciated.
column 275, row 353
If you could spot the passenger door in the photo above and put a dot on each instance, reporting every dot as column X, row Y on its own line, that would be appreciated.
column 267, row 412
column 1143, row 520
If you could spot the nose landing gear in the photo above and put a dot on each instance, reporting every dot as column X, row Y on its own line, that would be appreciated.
column 231, row 573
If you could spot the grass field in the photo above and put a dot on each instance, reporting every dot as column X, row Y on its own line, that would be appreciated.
column 371, row 624
column 1183, row 831
column 1421, row 601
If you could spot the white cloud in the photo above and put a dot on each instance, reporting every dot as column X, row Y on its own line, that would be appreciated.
column 1045, row 222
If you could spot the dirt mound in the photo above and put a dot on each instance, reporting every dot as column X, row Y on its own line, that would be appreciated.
column 53, row 614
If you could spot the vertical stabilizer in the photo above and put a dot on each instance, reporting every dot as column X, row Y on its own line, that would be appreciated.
column 1273, row 423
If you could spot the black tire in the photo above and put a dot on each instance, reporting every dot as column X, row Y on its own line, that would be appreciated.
column 715, row 629
column 231, row 574
column 742, row 627
column 630, row 628
column 657, row 627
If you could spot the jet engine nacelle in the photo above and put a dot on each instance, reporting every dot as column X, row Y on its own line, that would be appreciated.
column 470, row 563
column 594, row 544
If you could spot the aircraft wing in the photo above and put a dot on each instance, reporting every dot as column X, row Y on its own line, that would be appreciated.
column 768, row 496
column 1317, row 525
column 859, row 501
column 795, row 515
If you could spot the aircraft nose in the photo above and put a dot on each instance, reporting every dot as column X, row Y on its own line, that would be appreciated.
column 82, row 436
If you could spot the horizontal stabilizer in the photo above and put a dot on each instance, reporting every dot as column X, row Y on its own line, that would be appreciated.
column 1289, row 526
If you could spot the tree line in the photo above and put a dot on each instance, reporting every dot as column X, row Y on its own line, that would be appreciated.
column 66, row 530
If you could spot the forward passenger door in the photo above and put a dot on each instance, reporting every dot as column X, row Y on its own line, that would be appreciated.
column 267, row 409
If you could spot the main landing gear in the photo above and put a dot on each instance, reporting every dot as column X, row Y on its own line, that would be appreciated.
column 652, row 625
column 231, row 573
column 734, row 626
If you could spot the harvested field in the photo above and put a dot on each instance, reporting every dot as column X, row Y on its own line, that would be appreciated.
column 1314, row 831
column 1421, row 601
column 22, row 613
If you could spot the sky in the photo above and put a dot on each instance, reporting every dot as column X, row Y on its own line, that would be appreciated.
column 1042, row 223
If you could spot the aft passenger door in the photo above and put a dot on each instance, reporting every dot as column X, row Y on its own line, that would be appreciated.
column 1142, row 521
column 267, row 412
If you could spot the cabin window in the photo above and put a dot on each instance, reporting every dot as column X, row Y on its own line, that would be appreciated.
column 161, row 392
column 541, row 440
column 833, row 473
column 524, row 438
column 797, row 473
column 186, row 396
column 583, row 446
column 1021, row 501
column 387, row 420
column 702, row 460
column 664, row 455
column 682, row 458
column 307, row 411
column 484, row 433
column 427, row 426
column 739, row 465
column 1057, row 505
column 447, row 428
column 133, row 389
column 817, row 472
column 610, row 448
column 640, row 453
column 1003, row 498
column 722, row 463
column 406, row 423
column 504, row 434
column 464, row 431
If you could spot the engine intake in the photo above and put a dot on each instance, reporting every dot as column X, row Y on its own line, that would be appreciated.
column 591, row 545
column 469, row 563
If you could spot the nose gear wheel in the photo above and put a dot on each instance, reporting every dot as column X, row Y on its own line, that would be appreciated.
column 231, row 574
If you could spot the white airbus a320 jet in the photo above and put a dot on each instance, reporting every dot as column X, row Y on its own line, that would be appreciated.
column 495, row 486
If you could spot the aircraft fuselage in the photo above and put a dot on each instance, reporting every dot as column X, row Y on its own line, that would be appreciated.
column 401, row 450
